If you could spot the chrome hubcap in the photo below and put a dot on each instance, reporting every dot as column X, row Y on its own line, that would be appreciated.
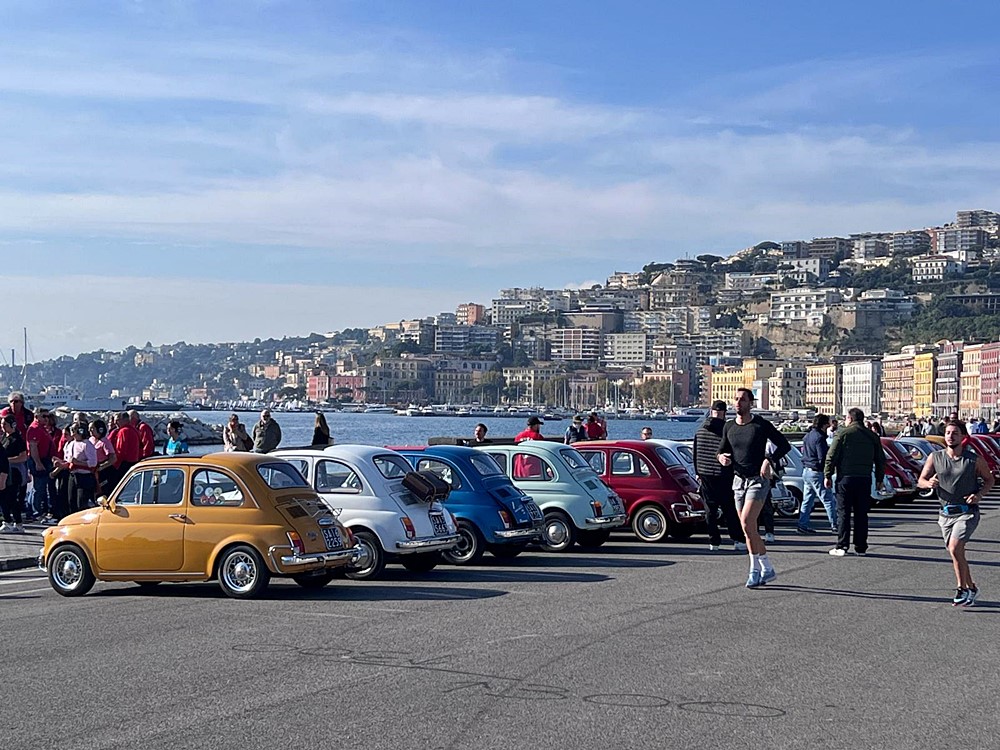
column 465, row 547
column 240, row 572
column 366, row 559
column 556, row 533
column 68, row 571
column 651, row 524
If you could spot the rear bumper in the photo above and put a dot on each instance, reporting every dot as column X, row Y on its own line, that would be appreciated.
column 427, row 544
column 294, row 562
column 507, row 535
column 607, row 521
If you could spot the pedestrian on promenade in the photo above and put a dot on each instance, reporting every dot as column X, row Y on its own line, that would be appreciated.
column 321, row 430
column 147, row 441
column 980, row 428
column 79, row 462
column 128, row 447
column 235, row 437
column 646, row 433
column 832, row 432
column 16, row 450
column 9, row 485
column 877, row 428
column 15, row 406
column 814, row 450
column 106, row 457
column 479, row 434
column 597, row 429
column 955, row 473
column 715, row 481
column 576, row 431
column 744, row 445
column 176, row 444
column 854, row 455
column 527, row 466
column 266, row 433
column 40, row 448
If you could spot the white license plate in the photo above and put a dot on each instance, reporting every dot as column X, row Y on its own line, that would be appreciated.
column 332, row 538
column 439, row 524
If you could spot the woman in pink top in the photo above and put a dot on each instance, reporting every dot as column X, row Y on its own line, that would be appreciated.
column 105, row 456
column 80, row 461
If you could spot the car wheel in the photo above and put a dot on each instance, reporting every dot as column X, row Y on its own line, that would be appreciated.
column 787, row 508
column 315, row 580
column 69, row 571
column 680, row 531
column 558, row 533
column 372, row 561
column 650, row 523
column 470, row 548
column 592, row 539
column 421, row 562
column 242, row 572
column 507, row 551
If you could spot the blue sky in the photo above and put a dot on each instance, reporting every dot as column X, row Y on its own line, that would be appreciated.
column 243, row 169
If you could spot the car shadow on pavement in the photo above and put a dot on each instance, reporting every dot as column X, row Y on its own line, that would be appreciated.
column 878, row 595
column 590, row 559
column 361, row 591
column 494, row 575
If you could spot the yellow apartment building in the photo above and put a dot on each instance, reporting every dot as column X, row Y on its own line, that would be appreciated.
column 970, row 393
column 924, row 371
column 823, row 388
column 897, row 384
column 725, row 383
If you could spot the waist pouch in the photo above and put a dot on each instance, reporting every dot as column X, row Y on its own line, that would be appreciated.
column 956, row 509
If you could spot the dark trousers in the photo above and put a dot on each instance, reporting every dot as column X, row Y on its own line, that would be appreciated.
column 853, row 499
column 59, row 495
column 717, row 494
column 10, row 504
column 81, row 491
column 766, row 517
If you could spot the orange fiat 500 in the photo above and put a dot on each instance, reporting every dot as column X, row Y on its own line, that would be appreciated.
column 239, row 518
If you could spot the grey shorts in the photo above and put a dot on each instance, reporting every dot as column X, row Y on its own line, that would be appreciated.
column 958, row 527
column 752, row 490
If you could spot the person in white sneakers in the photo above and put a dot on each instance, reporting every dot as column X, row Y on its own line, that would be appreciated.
column 956, row 473
column 8, row 499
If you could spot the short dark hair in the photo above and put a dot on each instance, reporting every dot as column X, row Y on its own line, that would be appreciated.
column 959, row 424
column 485, row 428
column 857, row 416
column 748, row 392
column 820, row 421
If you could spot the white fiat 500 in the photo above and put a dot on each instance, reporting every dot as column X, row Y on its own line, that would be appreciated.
column 364, row 486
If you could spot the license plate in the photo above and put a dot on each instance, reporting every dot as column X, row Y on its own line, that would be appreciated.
column 332, row 538
column 533, row 511
column 439, row 524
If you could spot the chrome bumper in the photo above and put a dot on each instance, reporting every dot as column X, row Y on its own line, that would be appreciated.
column 431, row 544
column 535, row 531
column 617, row 520
column 683, row 512
column 344, row 556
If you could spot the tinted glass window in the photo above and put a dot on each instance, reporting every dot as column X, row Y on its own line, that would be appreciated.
column 501, row 459
column 334, row 476
column 595, row 459
column 573, row 458
column 486, row 466
column 442, row 469
column 153, row 487
column 301, row 465
column 391, row 467
column 215, row 488
column 281, row 475
column 667, row 456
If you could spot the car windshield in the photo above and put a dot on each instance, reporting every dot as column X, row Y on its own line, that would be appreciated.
column 281, row 476
column 667, row 456
column 574, row 459
column 486, row 466
column 392, row 467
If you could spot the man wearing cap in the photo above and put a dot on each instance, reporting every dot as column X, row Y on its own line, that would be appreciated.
column 525, row 466
column 576, row 431
column 532, row 432
column 716, row 480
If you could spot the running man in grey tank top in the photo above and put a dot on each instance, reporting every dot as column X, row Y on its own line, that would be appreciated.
column 955, row 474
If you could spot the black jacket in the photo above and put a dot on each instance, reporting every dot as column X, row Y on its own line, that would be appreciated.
column 707, row 440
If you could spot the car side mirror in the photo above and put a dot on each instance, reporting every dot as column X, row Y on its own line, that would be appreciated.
column 104, row 502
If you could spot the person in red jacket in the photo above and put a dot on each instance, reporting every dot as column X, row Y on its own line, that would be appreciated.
column 147, row 445
column 127, row 446
column 526, row 466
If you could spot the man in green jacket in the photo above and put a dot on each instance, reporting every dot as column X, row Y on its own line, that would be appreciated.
column 856, row 453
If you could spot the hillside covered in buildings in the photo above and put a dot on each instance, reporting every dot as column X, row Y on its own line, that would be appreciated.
column 806, row 323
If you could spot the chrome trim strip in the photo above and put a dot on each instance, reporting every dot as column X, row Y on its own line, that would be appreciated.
column 428, row 545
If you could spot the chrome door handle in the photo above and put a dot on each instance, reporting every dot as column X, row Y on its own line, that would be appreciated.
column 178, row 517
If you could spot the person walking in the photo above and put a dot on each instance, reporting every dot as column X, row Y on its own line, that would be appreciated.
column 814, row 450
column 856, row 452
column 10, row 479
column 576, row 431
column 744, row 447
column 715, row 481
column 955, row 473
column 266, row 433
column 235, row 437
column 321, row 430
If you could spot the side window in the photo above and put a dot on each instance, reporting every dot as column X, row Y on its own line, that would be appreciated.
column 624, row 463
column 215, row 488
column 442, row 469
column 531, row 467
column 333, row 476
column 596, row 460
column 301, row 464
column 501, row 459
column 153, row 487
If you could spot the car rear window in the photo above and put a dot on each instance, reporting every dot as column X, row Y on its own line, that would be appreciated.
column 281, row 476
column 392, row 467
column 667, row 456
column 486, row 466
column 574, row 459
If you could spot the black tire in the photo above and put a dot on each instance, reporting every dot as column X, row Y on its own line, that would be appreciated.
column 680, row 531
column 507, row 551
column 372, row 562
column 558, row 533
column 787, row 510
column 69, row 569
column 470, row 548
column 592, row 538
column 242, row 573
column 650, row 523
column 315, row 580
column 420, row 562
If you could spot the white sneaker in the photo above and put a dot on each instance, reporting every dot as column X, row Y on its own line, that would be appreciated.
column 769, row 538
column 739, row 546
column 838, row 552
column 7, row 528
column 714, row 547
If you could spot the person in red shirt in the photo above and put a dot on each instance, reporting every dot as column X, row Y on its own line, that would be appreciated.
column 147, row 445
column 596, row 429
column 127, row 446
column 525, row 466
column 15, row 406
column 39, row 461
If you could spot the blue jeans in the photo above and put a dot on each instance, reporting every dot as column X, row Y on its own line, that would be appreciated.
column 40, row 481
column 813, row 489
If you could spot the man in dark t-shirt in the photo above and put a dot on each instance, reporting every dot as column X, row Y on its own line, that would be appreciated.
column 744, row 448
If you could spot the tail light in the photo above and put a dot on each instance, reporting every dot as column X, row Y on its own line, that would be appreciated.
column 348, row 537
column 596, row 505
column 296, row 541
column 408, row 527
column 505, row 517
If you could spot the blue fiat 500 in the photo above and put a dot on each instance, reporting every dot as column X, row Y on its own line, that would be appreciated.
column 490, row 512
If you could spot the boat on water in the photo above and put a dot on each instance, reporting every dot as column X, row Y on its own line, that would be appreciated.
column 378, row 409
column 687, row 415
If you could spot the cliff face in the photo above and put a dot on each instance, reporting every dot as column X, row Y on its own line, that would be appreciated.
column 787, row 341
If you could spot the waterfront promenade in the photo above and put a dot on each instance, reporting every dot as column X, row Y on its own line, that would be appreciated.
column 634, row 646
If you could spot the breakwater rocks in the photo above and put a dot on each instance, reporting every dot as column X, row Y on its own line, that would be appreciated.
column 194, row 430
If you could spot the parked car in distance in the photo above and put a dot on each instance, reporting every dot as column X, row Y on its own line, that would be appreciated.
column 660, row 496
column 491, row 513
column 576, row 505
column 363, row 484
column 240, row 518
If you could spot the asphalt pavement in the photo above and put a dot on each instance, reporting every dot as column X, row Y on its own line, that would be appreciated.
column 635, row 646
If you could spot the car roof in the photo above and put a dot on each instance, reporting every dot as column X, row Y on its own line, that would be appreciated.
column 633, row 444
column 445, row 451
column 235, row 459
column 345, row 450
column 547, row 446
